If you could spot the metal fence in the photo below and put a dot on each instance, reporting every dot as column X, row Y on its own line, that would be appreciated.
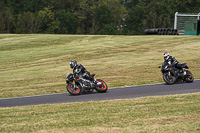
column 181, row 18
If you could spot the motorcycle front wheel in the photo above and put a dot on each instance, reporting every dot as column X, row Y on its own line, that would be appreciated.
column 168, row 79
column 101, row 88
column 72, row 90
column 189, row 77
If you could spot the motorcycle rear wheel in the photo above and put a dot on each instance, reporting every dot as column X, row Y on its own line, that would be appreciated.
column 72, row 90
column 168, row 79
column 189, row 77
column 101, row 89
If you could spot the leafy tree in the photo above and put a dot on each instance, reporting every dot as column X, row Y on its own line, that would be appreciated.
column 28, row 22
column 6, row 21
column 134, row 20
column 67, row 5
column 49, row 23
column 68, row 22
column 109, row 29
column 43, row 20
column 90, row 16
column 103, row 16
column 86, row 16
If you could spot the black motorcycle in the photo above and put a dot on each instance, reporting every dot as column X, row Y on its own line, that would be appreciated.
column 171, row 74
column 76, row 85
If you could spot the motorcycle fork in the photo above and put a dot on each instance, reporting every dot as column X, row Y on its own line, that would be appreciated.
column 169, row 73
column 173, row 72
column 74, row 84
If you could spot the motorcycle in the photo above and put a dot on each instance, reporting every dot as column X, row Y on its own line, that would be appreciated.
column 77, row 85
column 171, row 74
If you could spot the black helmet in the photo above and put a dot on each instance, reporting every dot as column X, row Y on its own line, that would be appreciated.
column 73, row 63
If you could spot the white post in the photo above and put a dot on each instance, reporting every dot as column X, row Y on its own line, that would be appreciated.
column 198, row 17
column 175, row 20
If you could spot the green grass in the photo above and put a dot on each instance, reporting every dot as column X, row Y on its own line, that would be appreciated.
column 163, row 114
column 37, row 64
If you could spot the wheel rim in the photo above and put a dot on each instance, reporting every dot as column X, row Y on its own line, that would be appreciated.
column 169, row 78
column 102, row 87
column 189, row 77
column 73, row 90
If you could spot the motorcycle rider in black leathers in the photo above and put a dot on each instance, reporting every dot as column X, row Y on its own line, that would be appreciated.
column 80, row 71
column 173, row 62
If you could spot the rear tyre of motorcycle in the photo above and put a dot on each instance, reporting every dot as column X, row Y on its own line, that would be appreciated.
column 101, row 88
column 189, row 77
column 72, row 90
column 168, row 79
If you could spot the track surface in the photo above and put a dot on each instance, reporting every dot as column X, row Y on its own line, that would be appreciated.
column 117, row 93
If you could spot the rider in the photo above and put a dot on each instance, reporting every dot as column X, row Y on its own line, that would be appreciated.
column 80, row 70
column 172, row 61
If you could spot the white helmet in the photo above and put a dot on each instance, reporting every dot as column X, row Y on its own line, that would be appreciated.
column 166, row 56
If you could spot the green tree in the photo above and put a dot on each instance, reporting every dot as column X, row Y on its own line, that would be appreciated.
column 67, row 5
column 68, row 22
column 86, row 16
column 6, row 20
column 108, row 29
column 90, row 16
column 42, row 21
column 49, row 23
column 134, row 20
column 29, row 22
column 103, row 16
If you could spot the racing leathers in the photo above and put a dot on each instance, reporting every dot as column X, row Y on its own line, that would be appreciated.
column 81, row 72
column 173, row 62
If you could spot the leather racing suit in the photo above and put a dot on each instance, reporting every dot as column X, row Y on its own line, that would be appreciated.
column 82, row 72
column 172, row 61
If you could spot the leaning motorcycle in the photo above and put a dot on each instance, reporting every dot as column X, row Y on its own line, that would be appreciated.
column 76, row 85
column 171, row 74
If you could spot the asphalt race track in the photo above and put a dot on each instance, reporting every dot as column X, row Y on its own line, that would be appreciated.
column 117, row 93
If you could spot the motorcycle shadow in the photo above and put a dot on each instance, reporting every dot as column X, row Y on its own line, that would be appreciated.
column 179, row 81
column 89, row 93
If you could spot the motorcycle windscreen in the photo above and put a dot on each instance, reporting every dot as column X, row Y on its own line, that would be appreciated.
column 164, row 64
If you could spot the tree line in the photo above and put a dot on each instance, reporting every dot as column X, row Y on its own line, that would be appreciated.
column 111, row 17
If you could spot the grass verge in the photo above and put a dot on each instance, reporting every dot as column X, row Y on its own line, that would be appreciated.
column 166, row 114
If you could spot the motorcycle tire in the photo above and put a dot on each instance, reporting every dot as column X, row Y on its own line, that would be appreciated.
column 74, row 91
column 168, row 79
column 101, row 89
column 189, row 77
